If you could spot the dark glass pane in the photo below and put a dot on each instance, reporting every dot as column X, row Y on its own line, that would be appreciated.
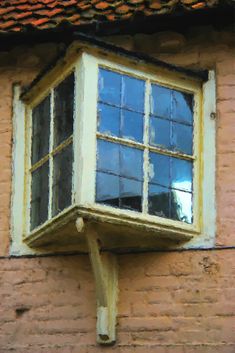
column 182, row 106
column 159, row 201
column 108, row 157
column 107, row 189
column 131, row 162
column 39, row 196
column 159, row 133
column 131, row 194
column 159, row 172
column 161, row 101
column 40, row 130
column 182, row 138
column 181, row 174
column 63, row 110
column 62, row 180
column 181, row 206
column 110, row 87
column 132, row 126
column 133, row 93
column 108, row 120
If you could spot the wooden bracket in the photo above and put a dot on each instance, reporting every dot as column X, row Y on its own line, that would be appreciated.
column 104, row 266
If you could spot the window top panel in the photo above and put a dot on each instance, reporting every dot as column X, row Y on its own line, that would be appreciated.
column 121, row 90
column 63, row 110
column 171, row 104
column 41, row 118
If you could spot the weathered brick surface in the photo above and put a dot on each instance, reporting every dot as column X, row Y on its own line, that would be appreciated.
column 177, row 302
column 48, row 304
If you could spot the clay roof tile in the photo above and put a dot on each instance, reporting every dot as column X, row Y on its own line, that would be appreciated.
column 45, row 14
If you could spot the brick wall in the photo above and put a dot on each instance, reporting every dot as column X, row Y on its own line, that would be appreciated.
column 178, row 302
column 175, row 302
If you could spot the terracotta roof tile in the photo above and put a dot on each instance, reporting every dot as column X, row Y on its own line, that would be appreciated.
column 17, row 15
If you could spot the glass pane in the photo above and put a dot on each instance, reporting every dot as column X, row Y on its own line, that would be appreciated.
column 108, row 157
column 159, row 169
column 107, row 189
column 62, row 180
column 159, row 133
column 182, row 106
column 131, row 162
column 133, row 93
column 131, row 194
column 40, row 130
column 39, row 196
column 182, row 138
column 132, row 126
column 63, row 110
column 159, row 201
column 181, row 174
column 161, row 101
column 110, row 87
column 181, row 206
column 108, row 120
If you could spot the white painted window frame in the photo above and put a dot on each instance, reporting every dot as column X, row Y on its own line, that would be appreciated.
column 86, row 68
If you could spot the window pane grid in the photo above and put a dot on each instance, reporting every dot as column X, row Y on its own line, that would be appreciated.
column 52, row 153
column 177, row 115
column 56, row 151
column 144, row 146
column 171, row 120
column 118, row 106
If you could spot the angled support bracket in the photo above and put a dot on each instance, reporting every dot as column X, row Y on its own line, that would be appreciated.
column 105, row 270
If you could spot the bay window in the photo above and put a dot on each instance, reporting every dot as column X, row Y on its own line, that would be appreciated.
column 118, row 142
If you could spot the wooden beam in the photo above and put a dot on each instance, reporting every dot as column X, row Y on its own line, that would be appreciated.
column 105, row 270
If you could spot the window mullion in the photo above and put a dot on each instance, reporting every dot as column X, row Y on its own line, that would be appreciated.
column 29, row 134
column 51, row 143
column 146, row 150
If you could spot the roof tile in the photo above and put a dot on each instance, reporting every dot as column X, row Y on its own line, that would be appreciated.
column 123, row 9
column 17, row 15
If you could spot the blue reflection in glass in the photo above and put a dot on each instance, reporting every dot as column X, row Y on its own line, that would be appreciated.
column 159, row 172
column 108, row 157
column 107, row 189
column 132, row 126
column 181, row 174
column 161, row 101
column 131, row 162
column 131, row 194
column 110, row 87
column 181, row 206
column 108, row 120
column 182, row 138
column 133, row 93
column 159, row 200
column 182, row 106
column 159, row 132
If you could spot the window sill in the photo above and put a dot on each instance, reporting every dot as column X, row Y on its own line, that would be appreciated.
column 119, row 230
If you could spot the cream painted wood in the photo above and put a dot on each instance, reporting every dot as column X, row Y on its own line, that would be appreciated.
column 104, row 266
column 88, row 113
column 207, row 178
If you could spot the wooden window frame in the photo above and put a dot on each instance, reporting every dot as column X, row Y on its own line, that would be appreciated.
column 48, row 157
column 85, row 65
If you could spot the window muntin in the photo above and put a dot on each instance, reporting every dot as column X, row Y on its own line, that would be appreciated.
column 52, row 153
column 165, row 187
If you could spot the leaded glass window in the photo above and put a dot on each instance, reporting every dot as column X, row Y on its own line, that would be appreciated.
column 144, row 146
column 52, row 153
